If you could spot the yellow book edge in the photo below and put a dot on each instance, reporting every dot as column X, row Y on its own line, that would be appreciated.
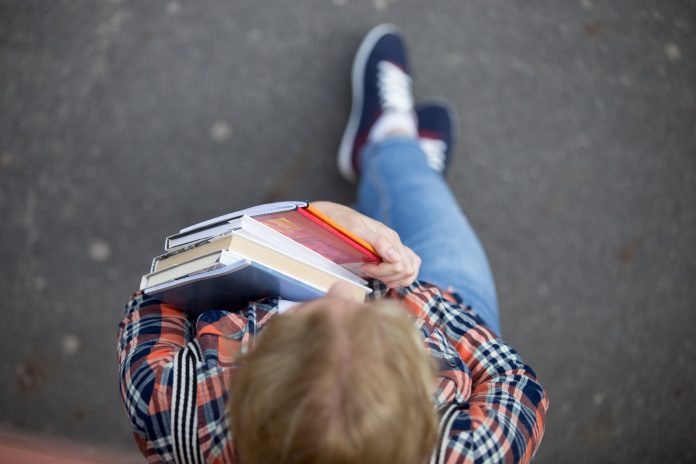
column 340, row 228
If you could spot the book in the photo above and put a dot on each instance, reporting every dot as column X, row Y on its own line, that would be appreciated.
column 288, row 249
column 231, row 286
column 218, row 225
column 304, row 226
column 338, row 228
column 207, row 262
column 254, row 249
column 296, row 220
column 256, row 230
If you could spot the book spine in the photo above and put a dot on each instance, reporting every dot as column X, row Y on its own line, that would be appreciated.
column 187, row 247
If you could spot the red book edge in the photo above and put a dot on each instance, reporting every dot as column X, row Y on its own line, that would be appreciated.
column 372, row 257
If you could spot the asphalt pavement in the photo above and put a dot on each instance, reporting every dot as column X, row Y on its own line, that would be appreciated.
column 122, row 121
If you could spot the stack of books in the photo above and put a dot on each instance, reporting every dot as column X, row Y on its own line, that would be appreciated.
column 287, row 249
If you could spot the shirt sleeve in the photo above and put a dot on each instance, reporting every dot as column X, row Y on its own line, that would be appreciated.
column 502, row 420
column 174, row 377
column 150, row 338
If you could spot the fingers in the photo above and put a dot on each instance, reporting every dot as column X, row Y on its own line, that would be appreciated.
column 400, row 264
column 388, row 246
column 400, row 273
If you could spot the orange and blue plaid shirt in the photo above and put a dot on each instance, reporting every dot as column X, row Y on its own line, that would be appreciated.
column 175, row 374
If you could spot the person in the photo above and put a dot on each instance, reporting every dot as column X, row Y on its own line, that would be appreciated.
column 418, row 372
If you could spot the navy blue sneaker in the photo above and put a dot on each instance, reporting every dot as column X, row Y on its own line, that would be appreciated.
column 381, row 82
column 435, row 133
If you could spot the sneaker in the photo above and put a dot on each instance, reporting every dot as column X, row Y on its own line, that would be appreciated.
column 381, row 82
column 435, row 135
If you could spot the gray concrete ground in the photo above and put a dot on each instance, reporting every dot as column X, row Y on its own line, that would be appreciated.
column 122, row 121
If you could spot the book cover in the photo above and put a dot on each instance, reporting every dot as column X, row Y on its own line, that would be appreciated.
column 254, row 229
column 204, row 263
column 256, row 250
column 213, row 226
column 231, row 287
column 317, row 235
column 297, row 220
column 339, row 228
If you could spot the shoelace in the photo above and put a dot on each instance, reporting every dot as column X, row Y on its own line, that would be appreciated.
column 394, row 87
column 395, row 92
column 434, row 153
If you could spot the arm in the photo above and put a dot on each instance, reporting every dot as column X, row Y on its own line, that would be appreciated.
column 149, row 337
column 503, row 417
column 173, row 378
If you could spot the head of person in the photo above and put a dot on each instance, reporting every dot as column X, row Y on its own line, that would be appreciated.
column 333, row 381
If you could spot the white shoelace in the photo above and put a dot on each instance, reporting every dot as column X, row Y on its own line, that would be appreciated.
column 394, row 87
column 434, row 153
column 395, row 93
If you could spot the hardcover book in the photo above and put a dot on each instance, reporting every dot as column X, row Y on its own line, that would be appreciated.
column 231, row 286
column 296, row 220
column 287, row 249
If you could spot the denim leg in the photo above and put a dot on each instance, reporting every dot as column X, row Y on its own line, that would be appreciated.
column 398, row 188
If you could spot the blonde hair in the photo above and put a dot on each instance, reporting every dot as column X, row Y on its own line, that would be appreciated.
column 335, row 387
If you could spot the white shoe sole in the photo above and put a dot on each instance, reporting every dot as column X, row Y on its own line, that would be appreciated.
column 345, row 150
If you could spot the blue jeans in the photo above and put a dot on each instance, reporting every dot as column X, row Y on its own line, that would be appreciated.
column 398, row 188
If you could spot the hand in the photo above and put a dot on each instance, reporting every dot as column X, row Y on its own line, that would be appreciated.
column 400, row 264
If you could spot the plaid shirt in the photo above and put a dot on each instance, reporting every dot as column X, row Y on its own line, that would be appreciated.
column 175, row 374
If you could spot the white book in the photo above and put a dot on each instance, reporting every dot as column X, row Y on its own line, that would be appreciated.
column 232, row 286
column 252, row 229
column 256, row 230
column 288, row 273
column 215, row 226
column 205, row 263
